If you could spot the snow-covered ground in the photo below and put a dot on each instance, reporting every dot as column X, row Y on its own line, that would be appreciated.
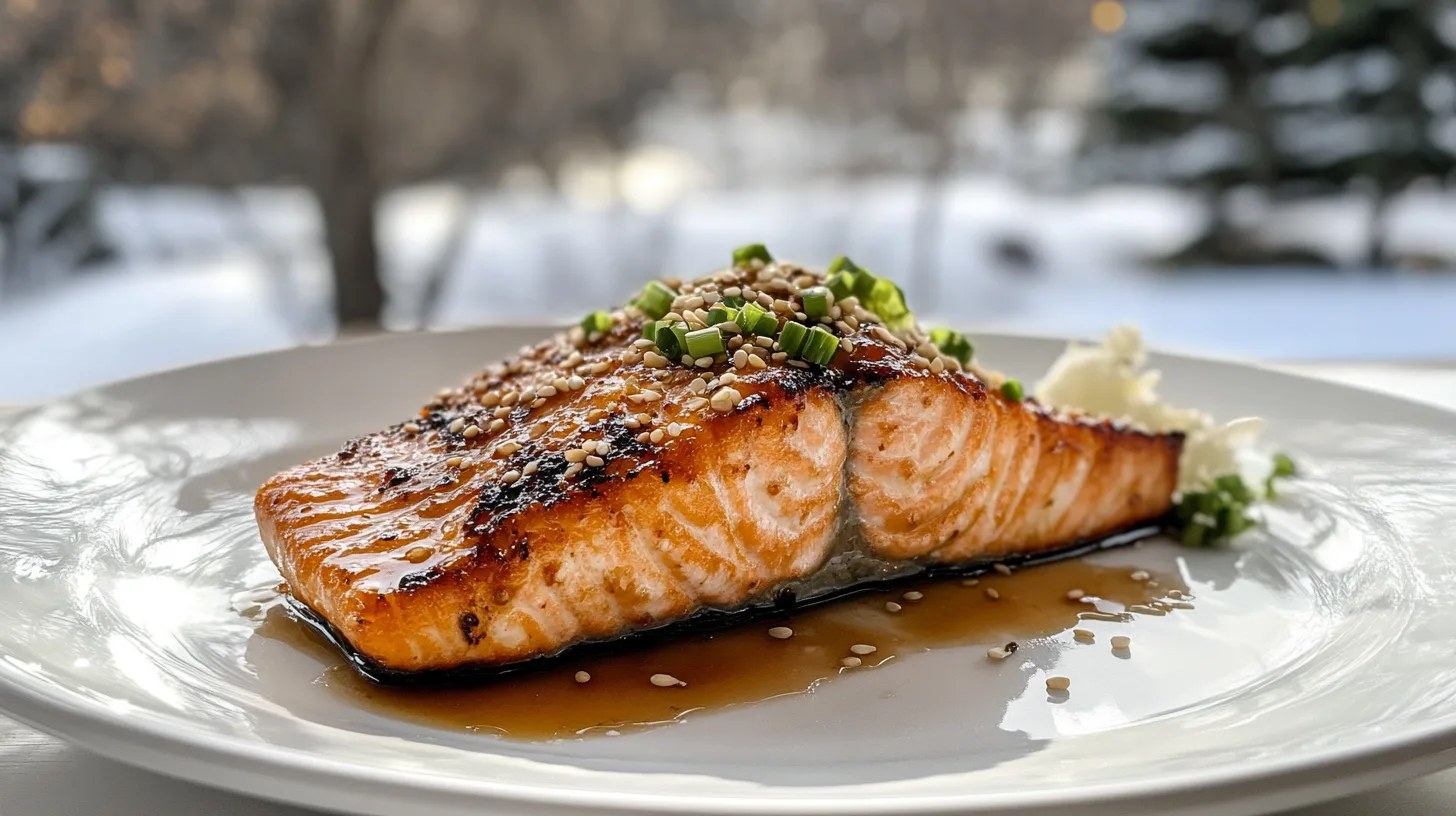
column 191, row 284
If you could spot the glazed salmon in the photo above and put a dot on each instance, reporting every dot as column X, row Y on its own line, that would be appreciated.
column 592, row 487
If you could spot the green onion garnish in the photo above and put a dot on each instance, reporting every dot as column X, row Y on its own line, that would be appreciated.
column 748, row 316
column 1012, row 390
column 842, row 276
column 953, row 344
column 744, row 254
column 732, row 302
column 1214, row 515
column 671, row 339
column 819, row 346
column 816, row 301
column 888, row 301
column 705, row 343
column 649, row 329
column 655, row 299
column 719, row 314
column 792, row 337
column 766, row 326
column 597, row 322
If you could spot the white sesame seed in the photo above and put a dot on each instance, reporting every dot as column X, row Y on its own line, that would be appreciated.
column 632, row 423
column 781, row 633
column 970, row 582
column 1140, row 575
column 574, row 359
column 411, row 428
column 1121, row 642
column 576, row 383
column 491, row 399
column 748, row 294
column 997, row 653
column 575, row 455
column 1175, row 594
column 674, row 430
column 495, row 425
column 937, row 366
column 763, row 342
column 891, row 606
column 474, row 430
column 992, row 593
column 1058, row 683
column 1001, row 568
column 657, row 436
column 501, row 413
column 538, row 402
column 509, row 398
column 703, row 362
column 572, row 470
column 547, row 391
column 1083, row 634
column 798, row 364
column 920, row 362
column 530, row 468
column 643, row 343
column 729, row 327
column 599, row 368
column 666, row 680
column 848, row 346
column 779, row 356
column 595, row 461
column 851, row 662
column 583, row 677
column 507, row 448
column 740, row 358
column 654, row 360
column 912, row 595
column 454, row 461
column 694, row 302
column 732, row 291
column 457, row 426
column 1144, row 609
column 1075, row 594
column 757, row 362
column 603, row 447
column 765, row 300
column 728, row 378
column 643, row 438
column 725, row 399
column 863, row 649
column 511, row 476
column 650, row 396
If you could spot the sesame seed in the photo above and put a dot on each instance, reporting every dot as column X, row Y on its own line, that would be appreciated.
column 507, row 448
column 530, row 468
column 798, row 364
column 666, row 680
column 411, row 427
column 598, row 368
column 575, row 383
column 970, row 582
column 740, row 358
column 698, row 386
column 511, row 476
column 997, row 653
column 491, row 399
column 496, row 425
column 474, row 430
column 732, row 291
column 417, row 554
column 654, row 360
column 457, row 425
column 632, row 423
column 843, row 327
column 781, row 633
column 572, row 470
column 539, row 429
column 848, row 346
column 644, row 438
column 574, row 360
column 1180, row 605
column 547, row 391
column 561, row 385
column 1058, row 683
column 920, row 362
column 509, row 398
column 703, row 362
column 763, row 342
column 913, row 595
column 779, row 356
column 1001, row 568
column 575, row 455
column 538, row 402
column 1140, row 575
column 696, row 404
column 992, row 593
column 454, row 461
column 501, row 413
column 583, row 677
column 657, row 436
column 603, row 447
column 595, row 461
column 937, row 366
column 728, row 327
column 1083, row 634
column 1175, row 594
column 1121, row 642
column 765, row 300
column 725, row 399
column 694, row 302
column 756, row 362
column 863, row 649
column 1075, row 594
column 1144, row 609
column 728, row 378
column 893, row 607
column 643, row 343
column 851, row 662
column 674, row 430
column 650, row 396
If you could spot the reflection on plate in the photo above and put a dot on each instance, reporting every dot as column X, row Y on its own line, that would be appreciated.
column 1315, row 659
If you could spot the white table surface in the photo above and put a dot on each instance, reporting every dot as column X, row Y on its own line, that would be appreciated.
column 42, row 776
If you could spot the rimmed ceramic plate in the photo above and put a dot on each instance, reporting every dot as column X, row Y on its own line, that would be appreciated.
column 1320, row 658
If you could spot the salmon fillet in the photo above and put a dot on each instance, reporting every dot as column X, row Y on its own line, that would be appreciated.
column 589, row 488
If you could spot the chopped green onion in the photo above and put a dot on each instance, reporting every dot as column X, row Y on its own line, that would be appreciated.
column 1233, row 486
column 748, row 316
column 719, row 314
column 671, row 339
column 1193, row 534
column 819, row 346
column 1283, row 469
column 649, row 329
column 843, row 273
column 864, row 284
column 888, row 301
column 843, row 264
column 705, row 342
column 655, row 299
column 597, row 322
column 792, row 338
column 732, row 302
column 954, row 344
column 816, row 301
column 1012, row 390
column 744, row 254
column 766, row 326
column 1214, row 515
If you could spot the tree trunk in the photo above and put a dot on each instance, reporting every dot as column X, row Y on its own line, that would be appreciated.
column 348, row 198
column 1375, row 250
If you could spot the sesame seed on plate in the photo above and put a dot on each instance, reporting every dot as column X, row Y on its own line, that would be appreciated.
column 1140, row 575
column 1075, row 594
column 1121, row 642
column 1083, row 634
column 997, row 653
column 913, row 595
column 992, row 593
column 891, row 606
column 781, row 633
column 665, row 681
column 1001, row 568
column 851, row 662
column 583, row 677
column 1175, row 594
column 1058, row 683
column 863, row 649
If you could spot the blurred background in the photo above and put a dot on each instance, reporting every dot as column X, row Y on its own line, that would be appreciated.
column 183, row 179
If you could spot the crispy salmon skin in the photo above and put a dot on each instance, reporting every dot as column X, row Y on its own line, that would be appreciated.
column 592, row 486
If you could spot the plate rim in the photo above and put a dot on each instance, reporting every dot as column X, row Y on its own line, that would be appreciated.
column 72, row 716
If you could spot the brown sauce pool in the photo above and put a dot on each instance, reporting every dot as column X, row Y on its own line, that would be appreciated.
column 746, row 664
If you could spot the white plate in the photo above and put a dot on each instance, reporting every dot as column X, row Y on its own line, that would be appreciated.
column 1321, row 658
